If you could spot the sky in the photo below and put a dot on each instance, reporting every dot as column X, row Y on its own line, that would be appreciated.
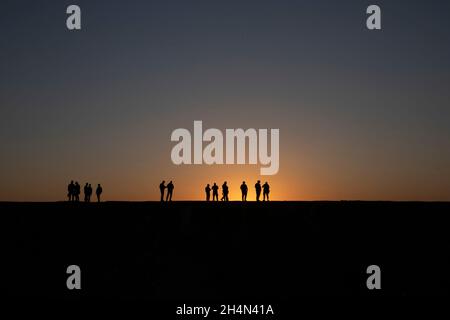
column 362, row 114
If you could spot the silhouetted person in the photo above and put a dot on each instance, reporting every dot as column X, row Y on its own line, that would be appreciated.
column 71, row 191
column 169, row 191
column 224, row 192
column 215, row 190
column 244, row 190
column 208, row 192
column 89, row 194
column 77, row 191
column 98, row 192
column 86, row 192
column 162, row 187
column 258, row 190
column 266, row 190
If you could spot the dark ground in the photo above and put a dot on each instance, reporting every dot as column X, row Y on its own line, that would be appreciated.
column 197, row 251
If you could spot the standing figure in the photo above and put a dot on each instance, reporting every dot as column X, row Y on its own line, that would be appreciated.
column 77, row 191
column 215, row 190
column 244, row 190
column 161, row 189
column 208, row 192
column 224, row 192
column 266, row 190
column 169, row 191
column 258, row 190
column 86, row 192
column 98, row 192
column 70, row 191
column 89, row 193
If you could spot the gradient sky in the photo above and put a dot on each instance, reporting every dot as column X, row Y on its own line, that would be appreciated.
column 362, row 114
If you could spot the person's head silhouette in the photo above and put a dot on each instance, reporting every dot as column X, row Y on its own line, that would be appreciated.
column 207, row 185
column 243, row 182
column 259, row 181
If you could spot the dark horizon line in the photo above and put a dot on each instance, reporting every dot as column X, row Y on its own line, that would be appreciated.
column 231, row 201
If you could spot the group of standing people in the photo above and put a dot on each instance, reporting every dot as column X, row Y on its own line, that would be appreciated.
column 265, row 188
column 244, row 190
column 215, row 192
column 169, row 187
column 74, row 190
